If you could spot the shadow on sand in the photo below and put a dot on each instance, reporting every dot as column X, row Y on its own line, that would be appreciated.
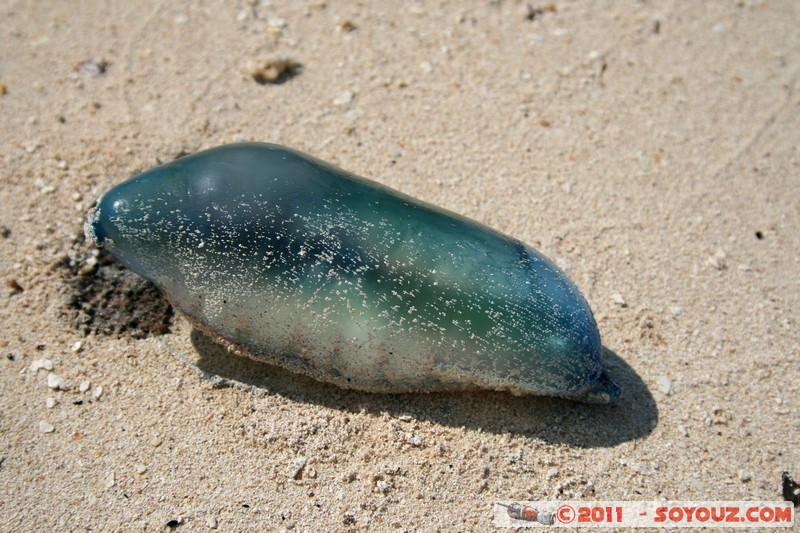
column 632, row 416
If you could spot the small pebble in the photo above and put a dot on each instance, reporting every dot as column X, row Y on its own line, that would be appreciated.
column 744, row 477
column 274, row 70
column 664, row 383
column 155, row 442
column 109, row 480
column 76, row 347
column 49, row 402
column 85, row 385
column 211, row 522
column 676, row 311
column 295, row 467
column 14, row 285
column 44, row 427
column 619, row 300
column 92, row 67
column 553, row 472
column 89, row 266
column 276, row 23
column 141, row 469
column 55, row 382
column 718, row 260
column 98, row 391
column 37, row 364
column 383, row 486
column 344, row 98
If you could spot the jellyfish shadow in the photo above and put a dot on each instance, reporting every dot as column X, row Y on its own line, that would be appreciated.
column 632, row 416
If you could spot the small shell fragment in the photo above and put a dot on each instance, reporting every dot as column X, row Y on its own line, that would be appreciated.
column 55, row 382
column 275, row 70
column 38, row 364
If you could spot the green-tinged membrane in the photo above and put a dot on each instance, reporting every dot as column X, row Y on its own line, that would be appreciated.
column 302, row 264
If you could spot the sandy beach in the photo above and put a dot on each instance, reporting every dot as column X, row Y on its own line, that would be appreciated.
column 650, row 149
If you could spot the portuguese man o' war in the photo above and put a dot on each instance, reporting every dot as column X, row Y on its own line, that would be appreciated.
column 298, row 263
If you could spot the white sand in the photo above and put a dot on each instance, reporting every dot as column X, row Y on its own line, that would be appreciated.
column 643, row 145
